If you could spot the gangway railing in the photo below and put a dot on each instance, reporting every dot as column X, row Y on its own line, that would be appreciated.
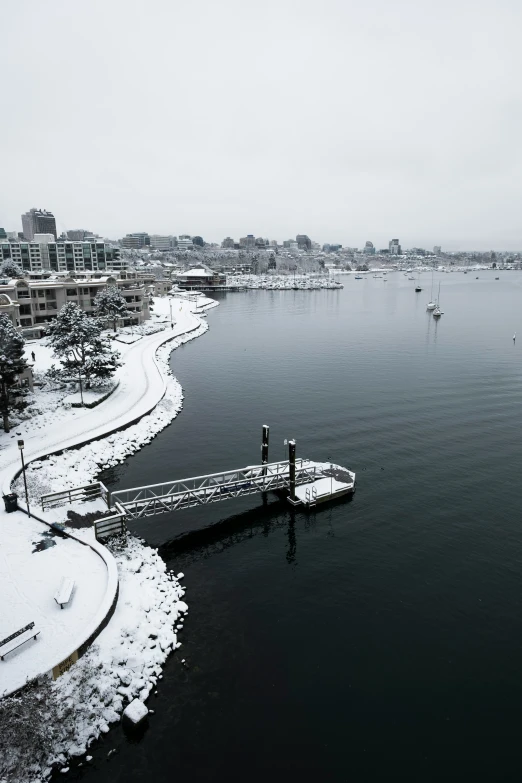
column 171, row 496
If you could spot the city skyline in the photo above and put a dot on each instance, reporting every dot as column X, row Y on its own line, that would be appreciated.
column 347, row 122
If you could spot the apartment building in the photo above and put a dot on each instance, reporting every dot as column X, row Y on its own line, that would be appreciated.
column 32, row 304
column 63, row 256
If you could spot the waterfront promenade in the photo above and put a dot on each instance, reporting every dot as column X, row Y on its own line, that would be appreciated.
column 33, row 560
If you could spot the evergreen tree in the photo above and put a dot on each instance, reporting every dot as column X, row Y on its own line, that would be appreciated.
column 10, row 269
column 12, row 363
column 78, row 343
column 110, row 305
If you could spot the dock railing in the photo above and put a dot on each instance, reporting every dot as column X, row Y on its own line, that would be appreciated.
column 74, row 495
column 185, row 493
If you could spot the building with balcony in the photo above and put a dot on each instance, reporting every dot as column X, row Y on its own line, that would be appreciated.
column 63, row 256
column 31, row 304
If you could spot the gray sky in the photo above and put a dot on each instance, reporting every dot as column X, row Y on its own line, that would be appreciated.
column 343, row 119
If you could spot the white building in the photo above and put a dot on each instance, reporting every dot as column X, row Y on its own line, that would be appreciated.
column 159, row 242
column 63, row 256
column 185, row 242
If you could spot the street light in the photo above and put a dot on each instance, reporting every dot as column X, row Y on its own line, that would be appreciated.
column 21, row 447
column 171, row 324
column 81, row 387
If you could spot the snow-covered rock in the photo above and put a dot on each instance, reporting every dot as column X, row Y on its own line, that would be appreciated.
column 135, row 712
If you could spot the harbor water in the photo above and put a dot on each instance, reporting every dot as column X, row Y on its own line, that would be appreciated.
column 377, row 637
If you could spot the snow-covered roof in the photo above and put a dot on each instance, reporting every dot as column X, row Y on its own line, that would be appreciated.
column 198, row 272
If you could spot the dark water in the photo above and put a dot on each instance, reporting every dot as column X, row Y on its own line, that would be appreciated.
column 378, row 638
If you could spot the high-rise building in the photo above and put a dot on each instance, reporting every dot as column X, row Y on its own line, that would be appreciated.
column 369, row 249
column 394, row 247
column 38, row 221
column 437, row 250
column 228, row 242
column 248, row 242
column 3, row 235
column 303, row 242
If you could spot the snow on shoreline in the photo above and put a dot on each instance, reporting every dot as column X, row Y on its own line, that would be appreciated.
column 76, row 467
column 124, row 663
column 126, row 659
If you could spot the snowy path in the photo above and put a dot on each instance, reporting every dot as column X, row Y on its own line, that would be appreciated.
column 141, row 387
column 28, row 578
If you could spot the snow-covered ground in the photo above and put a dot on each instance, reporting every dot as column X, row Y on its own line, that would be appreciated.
column 130, row 651
column 32, row 564
column 124, row 663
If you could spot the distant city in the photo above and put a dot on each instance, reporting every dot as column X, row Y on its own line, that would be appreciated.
column 38, row 248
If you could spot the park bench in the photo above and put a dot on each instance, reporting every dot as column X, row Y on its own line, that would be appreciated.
column 17, row 639
column 64, row 592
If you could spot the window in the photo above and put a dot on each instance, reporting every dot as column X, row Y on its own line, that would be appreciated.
column 25, row 309
column 72, row 292
column 43, row 306
column 26, row 322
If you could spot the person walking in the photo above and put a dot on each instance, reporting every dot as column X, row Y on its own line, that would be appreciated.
column 33, row 356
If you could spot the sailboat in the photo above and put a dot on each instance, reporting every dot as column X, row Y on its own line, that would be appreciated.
column 418, row 289
column 431, row 304
column 437, row 312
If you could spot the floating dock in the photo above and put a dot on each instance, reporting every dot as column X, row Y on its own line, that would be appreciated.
column 302, row 482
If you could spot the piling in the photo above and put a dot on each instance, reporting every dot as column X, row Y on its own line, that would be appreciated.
column 264, row 445
column 291, row 471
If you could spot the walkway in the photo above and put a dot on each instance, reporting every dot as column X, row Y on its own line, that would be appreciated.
column 30, row 569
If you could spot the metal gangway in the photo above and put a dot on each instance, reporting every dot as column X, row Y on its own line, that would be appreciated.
column 169, row 496
column 186, row 493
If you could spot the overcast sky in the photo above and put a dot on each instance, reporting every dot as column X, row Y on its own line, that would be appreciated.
column 343, row 119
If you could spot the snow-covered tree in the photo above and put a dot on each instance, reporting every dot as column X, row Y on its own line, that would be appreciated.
column 110, row 305
column 12, row 363
column 11, row 269
column 78, row 343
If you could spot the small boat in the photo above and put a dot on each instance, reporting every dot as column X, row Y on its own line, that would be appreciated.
column 476, row 278
column 358, row 277
column 497, row 278
column 418, row 289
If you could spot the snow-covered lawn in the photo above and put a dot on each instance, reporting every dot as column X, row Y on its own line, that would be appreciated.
column 124, row 663
column 32, row 564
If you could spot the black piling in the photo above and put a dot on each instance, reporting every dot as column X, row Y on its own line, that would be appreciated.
column 264, row 445
column 291, row 469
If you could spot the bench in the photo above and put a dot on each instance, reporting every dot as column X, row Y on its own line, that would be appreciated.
column 64, row 592
column 17, row 639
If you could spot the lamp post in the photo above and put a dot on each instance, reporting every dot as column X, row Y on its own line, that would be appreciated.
column 81, row 387
column 21, row 447
column 170, row 303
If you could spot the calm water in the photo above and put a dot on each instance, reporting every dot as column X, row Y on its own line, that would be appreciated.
column 378, row 638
